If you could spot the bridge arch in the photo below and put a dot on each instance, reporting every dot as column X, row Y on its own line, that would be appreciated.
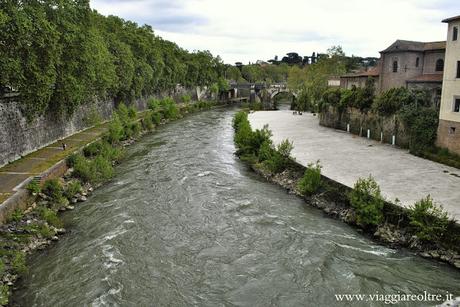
column 275, row 93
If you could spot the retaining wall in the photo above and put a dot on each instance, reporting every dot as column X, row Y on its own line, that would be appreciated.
column 381, row 128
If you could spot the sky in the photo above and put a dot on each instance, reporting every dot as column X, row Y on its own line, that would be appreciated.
column 251, row 30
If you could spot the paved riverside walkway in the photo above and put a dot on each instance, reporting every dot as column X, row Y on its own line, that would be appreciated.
column 33, row 164
column 346, row 157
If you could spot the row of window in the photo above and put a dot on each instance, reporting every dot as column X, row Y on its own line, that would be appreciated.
column 439, row 65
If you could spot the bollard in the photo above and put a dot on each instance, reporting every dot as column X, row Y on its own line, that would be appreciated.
column 348, row 128
column 381, row 137
column 393, row 140
column 368, row 133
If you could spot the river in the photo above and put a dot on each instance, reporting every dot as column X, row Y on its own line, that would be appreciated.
column 185, row 223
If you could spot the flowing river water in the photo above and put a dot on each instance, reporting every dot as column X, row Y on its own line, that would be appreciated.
column 185, row 223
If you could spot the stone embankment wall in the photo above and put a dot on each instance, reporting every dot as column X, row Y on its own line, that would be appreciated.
column 19, row 137
column 359, row 123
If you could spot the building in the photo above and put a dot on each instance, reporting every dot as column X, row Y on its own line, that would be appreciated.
column 415, row 65
column 449, row 116
column 359, row 79
column 410, row 64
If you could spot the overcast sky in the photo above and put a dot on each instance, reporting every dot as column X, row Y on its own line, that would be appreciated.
column 248, row 30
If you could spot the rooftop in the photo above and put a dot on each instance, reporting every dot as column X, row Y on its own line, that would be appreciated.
column 451, row 19
column 372, row 72
column 404, row 45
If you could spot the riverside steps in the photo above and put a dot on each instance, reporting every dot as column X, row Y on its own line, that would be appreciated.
column 345, row 158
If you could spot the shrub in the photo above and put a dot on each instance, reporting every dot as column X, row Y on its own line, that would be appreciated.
column 429, row 221
column 34, row 187
column 53, row 189
column 238, row 118
column 72, row 159
column 132, row 113
column 82, row 169
column 266, row 151
column 422, row 124
column 280, row 158
column 170, row 109
column 147, row 123
column 93, row 149
column 367, row 201
column 156, row 118
column 18, row 262
column 73, row 187
column 186, row 98
column 17, row 215
column 4, row 295
column 311, row 180
column 101, row 169
column 154, row 104
column 116, row 131
column 50, row 216
column 135, row 128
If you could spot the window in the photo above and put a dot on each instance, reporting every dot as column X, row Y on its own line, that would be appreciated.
column 395, row 66
column 417, row 62
column 440, row 65
column 455, row 33
column 458, row 69
column 452, row 130
column 457, row 105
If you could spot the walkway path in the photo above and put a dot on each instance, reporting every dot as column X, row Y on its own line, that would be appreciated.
column 13, row 174
column 346, row 157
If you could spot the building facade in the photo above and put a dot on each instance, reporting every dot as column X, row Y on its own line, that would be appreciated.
column 414, row 65
column 449, row 116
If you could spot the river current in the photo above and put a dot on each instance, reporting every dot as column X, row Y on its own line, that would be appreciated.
column 185, row 223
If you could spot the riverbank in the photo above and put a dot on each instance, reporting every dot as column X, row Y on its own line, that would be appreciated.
column 345, row 158
column 39, row 225
column 395, row 229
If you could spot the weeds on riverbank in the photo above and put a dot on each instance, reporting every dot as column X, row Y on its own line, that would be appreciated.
column 367, row 201
column 257, row 147
column 311, row 181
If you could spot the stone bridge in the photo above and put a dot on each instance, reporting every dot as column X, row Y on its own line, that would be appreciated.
column 254, row 92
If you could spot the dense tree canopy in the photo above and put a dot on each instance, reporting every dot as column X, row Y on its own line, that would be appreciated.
column 59, row 54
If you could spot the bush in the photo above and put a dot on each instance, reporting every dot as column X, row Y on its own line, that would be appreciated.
column 311, row 180
column 170, row 109
column 367, row 201
column 72, row 159
column 186, row 98
column 154, row 104
column 280, row 158
column 18, row 262
column 34, row 187
column 93, row 149
column 156, row 118
column 17, row 215
column 132, row 113
column 429, row 221
column 101, row 169
column 422, row 124
column 53, row 189
column 266, row 151
column 50, row 216
column 116, row 131
column 147, row 123
column 73, row 187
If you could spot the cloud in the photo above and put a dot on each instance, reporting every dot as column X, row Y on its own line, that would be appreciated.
column 241, row 30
